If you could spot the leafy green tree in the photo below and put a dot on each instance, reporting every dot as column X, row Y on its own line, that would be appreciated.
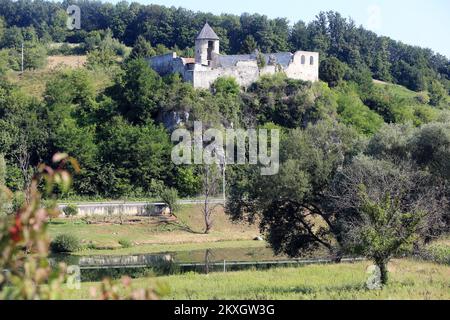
column 92, row 40
column 381, row 208
column 409, row 76
column 226, row 94
column 100, row 58
column 362, row 76
column 35, row 56
column 299, row 37
column 386, row 230
column 58, row 28
column 226, row 86
column 187, row 181
column 424, row 149
column 142, row 49
column 2, row 29
column 170, row 197
column 382, row 63
column 24, row 129
column 431, row 147
column 291, row 206
column 437, row 92
column 289, row 103
column 331, row 71
column 354, row 113
column 140, row 155
column 140, row 89
column 4, row 196
column 12, row 38
column 249, row 45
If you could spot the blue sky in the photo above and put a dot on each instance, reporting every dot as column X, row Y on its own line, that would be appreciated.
column 422, row 23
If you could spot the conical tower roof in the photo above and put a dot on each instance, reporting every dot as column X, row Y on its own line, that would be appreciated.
column 207, row 33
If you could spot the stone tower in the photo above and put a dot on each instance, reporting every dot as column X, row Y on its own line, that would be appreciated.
column 206, row 43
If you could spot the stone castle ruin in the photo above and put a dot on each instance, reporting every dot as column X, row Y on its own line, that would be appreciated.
column 209, row 64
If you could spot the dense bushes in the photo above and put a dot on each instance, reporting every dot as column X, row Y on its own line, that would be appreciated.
column 65, row 243
column 70, row 210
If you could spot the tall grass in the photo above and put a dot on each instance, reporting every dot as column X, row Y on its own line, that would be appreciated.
column 409, row 279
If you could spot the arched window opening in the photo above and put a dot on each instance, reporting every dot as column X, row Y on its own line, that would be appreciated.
column 311, row 60
column 303, row 59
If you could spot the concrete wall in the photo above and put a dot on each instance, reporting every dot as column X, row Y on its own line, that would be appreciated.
column 130, row 209
column 138, row 260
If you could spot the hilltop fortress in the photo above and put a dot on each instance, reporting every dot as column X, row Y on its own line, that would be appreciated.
column 209, row 64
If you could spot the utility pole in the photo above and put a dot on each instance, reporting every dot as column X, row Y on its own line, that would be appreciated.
column 224, row 182
column 22, row 58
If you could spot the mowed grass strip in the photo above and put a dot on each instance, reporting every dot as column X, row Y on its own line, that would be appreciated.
column 409, row 279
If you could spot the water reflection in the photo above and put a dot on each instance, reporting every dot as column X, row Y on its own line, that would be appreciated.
column 193, row 256
column 210, row 260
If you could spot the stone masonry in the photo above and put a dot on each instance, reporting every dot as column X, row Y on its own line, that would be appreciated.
column 209, row 64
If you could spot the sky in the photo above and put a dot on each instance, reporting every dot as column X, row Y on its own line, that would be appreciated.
column 415, row 22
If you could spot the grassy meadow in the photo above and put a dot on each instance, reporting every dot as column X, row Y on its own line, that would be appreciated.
column 409, row 279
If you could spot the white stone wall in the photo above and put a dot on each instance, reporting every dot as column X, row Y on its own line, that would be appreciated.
column 245, row 73
column 304, row 71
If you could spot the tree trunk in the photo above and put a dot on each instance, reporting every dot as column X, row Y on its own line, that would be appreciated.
column 207, row 254
column 382, row 265
column 208, row 224
column 337, row 255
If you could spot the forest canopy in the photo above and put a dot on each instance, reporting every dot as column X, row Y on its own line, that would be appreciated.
column 331, row 34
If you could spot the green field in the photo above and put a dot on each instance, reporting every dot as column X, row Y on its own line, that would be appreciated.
column 149, row 235
column 409, row 279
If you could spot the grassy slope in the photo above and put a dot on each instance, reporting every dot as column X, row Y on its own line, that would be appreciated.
column 400, row 92
column 409, row 97
column 408, row 280
column 150, row 237
column 33, row 82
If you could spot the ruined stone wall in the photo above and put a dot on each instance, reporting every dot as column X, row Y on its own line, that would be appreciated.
column 245, row 73
column 163, row 64
column 305, row 66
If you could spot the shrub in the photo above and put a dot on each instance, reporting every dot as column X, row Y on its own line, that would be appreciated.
column 65, row 243
column 422, row 98
column 437, row 92
column 170, row 197
column 70, row 210
column 437, row 253
column 125, row 243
